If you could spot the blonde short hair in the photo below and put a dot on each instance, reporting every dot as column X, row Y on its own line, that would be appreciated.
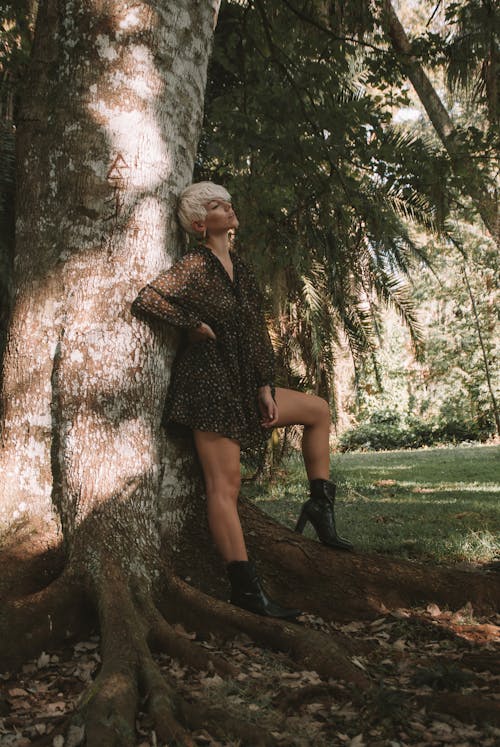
column 191, row 204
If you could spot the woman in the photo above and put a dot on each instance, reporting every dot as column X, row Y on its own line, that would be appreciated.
column 222, row 385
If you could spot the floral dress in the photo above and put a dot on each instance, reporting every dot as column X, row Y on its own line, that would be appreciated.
column 214, row 383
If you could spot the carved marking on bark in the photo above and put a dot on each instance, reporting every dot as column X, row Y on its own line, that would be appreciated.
column 119, row 181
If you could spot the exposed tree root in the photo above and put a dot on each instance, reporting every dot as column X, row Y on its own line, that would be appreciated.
column 472, row 709
column 31, row 557
column 132, row 623
column 292, row 700
column 309, row 648
column 163, row 637
column 335, row 585
column 130, row 679
column 43, row 620
column 220, row 723
column 164, row 706
column 346, row 586
column 128, row 670
column 481, row 662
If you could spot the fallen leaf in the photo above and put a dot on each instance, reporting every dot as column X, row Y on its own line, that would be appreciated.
column 357, row 663
column 380, row 622
column 399, row 645
column 352, row 627
column 43, row 660
column 316, row 708
column 180, row 630
column 59, row 706
column 433, row 610
column 463, row 614
column 400, row 614
column 440, row 726
column 85, row 646
column 21, row 706
column 357, row 741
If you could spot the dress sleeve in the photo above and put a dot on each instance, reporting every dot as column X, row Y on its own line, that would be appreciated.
column 261, row 342
column 170, row 295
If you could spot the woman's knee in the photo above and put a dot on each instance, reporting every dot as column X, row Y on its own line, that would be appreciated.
column 321, row 409
column 223, row 487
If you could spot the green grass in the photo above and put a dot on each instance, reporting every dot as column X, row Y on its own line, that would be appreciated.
column 432, row 504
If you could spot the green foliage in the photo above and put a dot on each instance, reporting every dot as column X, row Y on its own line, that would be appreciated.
column 298, row 125
column 386, row 430
column 472, row 52
column 444, row 396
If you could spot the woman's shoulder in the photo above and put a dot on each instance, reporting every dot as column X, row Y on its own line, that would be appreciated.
column 192, row 259
column 189, row 265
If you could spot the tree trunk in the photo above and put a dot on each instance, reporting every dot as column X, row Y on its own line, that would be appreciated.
column 107, row 137
column 473, row 183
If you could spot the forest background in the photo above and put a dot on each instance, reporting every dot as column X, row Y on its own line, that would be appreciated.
column 381, row 276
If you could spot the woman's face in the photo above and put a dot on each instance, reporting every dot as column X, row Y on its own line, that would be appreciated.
column 220, row 217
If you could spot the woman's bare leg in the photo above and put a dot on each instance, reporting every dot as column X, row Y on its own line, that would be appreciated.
column 314, row 414
column 220, row 460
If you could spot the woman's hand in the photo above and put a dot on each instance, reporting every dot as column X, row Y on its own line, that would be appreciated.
column 201, row 332
column 267, row 406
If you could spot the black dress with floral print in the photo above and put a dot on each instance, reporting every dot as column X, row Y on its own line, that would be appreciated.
column 214, row 383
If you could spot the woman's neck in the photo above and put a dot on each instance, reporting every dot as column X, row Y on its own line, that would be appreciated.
column 219, row 245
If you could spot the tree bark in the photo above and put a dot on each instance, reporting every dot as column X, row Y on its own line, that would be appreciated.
column 107, row 137
column 484, row 202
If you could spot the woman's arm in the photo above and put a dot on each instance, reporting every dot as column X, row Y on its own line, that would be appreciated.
column 170, row 295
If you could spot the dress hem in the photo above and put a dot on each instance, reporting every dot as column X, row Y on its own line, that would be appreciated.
column 244, row 446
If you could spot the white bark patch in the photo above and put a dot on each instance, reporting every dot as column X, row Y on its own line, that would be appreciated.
column 131, row 20
column 76, row 356
column 105, row 49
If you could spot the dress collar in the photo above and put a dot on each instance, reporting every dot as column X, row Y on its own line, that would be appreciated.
column 234, row 260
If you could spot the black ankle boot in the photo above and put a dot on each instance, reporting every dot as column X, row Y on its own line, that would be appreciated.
column 247, row 592
column 319, row 511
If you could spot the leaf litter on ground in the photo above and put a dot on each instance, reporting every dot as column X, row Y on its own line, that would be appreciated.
column 413, row 657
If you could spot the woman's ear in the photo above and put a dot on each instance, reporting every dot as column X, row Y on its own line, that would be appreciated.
column 198, row 226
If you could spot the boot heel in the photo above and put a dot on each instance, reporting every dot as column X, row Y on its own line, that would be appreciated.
column 301, row 522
